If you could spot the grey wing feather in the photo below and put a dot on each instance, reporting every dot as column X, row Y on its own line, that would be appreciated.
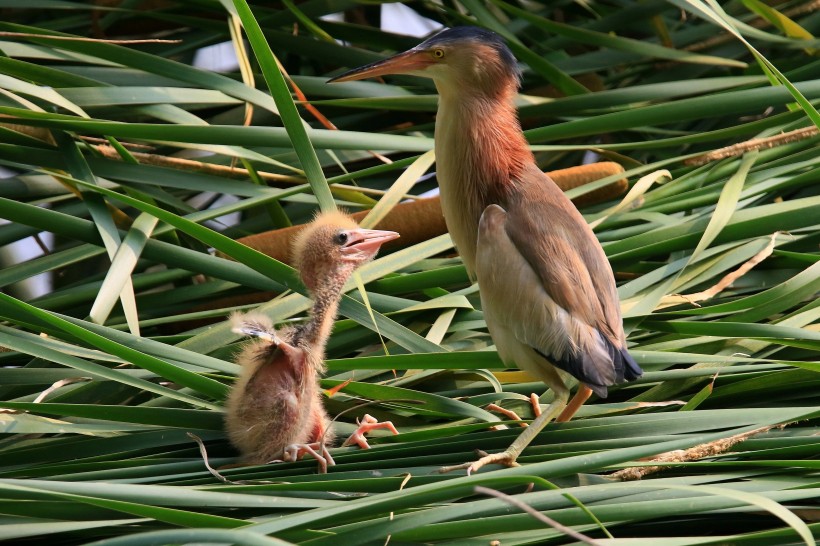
column 254, row 325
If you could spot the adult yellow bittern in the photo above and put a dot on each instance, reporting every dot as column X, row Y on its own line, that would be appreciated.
column 275, row 409
column 547, row 289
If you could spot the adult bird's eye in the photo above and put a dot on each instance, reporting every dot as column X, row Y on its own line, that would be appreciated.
column 438, row 53
column 340, row 238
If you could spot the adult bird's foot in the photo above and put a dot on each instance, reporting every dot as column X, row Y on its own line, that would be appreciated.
column 536, row 405
column 536, row 410
column 294, row 452
column 509, row 414
column 367, row 424
column 504, row 458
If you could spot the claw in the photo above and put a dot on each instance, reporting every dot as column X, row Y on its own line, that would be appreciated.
column 294, row 452
column 504, row 458
column 509, row 456
column 367, row 424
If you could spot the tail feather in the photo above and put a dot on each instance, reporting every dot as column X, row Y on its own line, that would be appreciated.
column 598, row 371
column 631, row 369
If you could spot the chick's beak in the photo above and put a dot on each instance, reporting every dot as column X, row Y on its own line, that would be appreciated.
column 363, row 244
column 408, row 62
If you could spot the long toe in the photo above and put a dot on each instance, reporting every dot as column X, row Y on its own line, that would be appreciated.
column 367, row 424
column 294, row 452
column 536, row 405
column 358, row 439
column 504, row 458
column 508, row 413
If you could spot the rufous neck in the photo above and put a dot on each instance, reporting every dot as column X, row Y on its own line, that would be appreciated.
column 490, row 133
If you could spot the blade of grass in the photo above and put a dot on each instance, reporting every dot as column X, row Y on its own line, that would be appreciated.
column 287, row 109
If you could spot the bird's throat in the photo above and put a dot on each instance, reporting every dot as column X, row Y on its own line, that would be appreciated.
column 317, row 330
column 480, row 153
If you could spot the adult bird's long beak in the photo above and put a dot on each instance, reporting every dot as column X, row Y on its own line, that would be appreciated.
column 407, row 62
column 365, row 243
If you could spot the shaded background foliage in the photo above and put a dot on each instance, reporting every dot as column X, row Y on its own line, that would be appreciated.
column 128, row 350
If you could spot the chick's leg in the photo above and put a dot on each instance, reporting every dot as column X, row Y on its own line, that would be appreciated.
column 367, row 424
column 294, row 452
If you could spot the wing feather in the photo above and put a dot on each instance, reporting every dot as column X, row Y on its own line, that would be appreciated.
column 545, row 285
column 559, row 245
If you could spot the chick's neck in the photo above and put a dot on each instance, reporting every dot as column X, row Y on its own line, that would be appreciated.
column 326, row 296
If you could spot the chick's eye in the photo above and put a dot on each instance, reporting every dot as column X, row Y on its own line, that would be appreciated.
column 438, row 53
column 340, row 238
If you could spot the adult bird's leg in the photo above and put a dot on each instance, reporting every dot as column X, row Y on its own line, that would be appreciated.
column 575, row 404
column 367, row 424
column 294, row 452
column 508, row 457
